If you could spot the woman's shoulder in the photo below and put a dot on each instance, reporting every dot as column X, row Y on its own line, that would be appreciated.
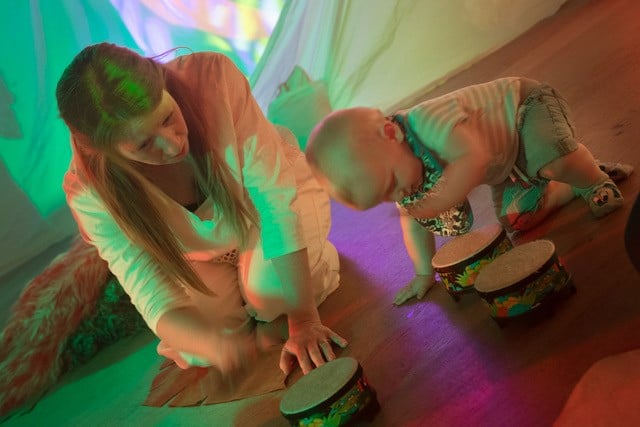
column 72, row 181
column 201, row 60
column 76, row 186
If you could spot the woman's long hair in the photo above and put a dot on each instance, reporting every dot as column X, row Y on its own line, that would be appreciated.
column 103, row 88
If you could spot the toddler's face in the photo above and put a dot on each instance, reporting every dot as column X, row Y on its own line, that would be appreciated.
column 384, row 170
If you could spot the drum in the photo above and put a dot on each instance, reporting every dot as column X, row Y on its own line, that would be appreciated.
column 526, row 278
column 459, row 260
column 335, row 394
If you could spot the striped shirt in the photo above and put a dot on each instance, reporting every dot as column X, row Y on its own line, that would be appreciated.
column 492, row 107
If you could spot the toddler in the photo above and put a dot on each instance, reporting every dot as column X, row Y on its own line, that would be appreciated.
column 514, row 134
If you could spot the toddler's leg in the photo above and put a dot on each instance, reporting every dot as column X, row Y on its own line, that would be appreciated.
column 577, row 168
column 580, row 170
column 550, row 150
column 520, row 209
column 556, row 195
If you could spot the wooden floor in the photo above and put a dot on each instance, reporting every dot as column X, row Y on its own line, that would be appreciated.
column 444, row 363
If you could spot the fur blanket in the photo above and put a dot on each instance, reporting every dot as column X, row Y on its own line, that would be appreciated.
column 63, row 317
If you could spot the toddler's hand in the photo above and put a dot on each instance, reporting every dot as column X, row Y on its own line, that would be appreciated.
column 417, row 287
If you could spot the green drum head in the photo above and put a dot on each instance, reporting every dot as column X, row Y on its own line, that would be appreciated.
column 514, row 266
column 318, row 386
column 465, row 246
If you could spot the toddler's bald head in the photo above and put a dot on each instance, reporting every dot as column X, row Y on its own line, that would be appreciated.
column 340, row 141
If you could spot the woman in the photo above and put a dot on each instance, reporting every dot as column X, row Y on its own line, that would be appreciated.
column 208, row 217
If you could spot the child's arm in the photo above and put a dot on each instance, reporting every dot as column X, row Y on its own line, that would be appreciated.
column 420, row 244
column 466, row 167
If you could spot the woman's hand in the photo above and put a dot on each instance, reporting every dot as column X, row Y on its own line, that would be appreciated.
column 230, row 352
column 310, row 344
column 235, row 351
column 309, row 341
column 417, row 287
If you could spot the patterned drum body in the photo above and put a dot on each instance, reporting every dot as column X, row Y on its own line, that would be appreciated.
column 334, row 394
column 522, row 279
column 459, row 261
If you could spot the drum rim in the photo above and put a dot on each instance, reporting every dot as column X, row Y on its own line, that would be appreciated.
column 524, row 281
column 479, row 254
column 547, row 244
column 325, row 404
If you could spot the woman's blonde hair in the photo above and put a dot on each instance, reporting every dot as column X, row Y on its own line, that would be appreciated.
column 103, row 88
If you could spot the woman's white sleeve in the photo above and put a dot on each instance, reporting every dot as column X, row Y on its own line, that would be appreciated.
column 151, row 292
column 268, row 170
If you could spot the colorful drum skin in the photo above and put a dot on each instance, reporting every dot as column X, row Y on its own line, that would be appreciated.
column 334, row 394
column 523, row 280
column 459, row 260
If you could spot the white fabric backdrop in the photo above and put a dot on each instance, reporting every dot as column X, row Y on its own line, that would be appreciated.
column 369, row 52
column 381, row 52
column 39, row 39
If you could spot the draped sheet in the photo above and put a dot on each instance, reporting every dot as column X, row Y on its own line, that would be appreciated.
column 379, row 53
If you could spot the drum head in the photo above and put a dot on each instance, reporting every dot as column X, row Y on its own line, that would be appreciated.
column 463, row 247
column 318, row 386
column 514, row 265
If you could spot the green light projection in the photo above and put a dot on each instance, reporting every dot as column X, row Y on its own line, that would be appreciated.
column 46, row 35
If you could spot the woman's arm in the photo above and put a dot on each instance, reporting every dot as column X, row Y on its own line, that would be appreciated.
column 187, row 330
column 269, row 179
column 151, row 292
column 309, row 340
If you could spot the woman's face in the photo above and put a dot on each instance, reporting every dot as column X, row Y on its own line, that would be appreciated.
column 157, row 138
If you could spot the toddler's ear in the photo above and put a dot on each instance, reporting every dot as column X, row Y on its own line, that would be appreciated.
column 388, row 131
